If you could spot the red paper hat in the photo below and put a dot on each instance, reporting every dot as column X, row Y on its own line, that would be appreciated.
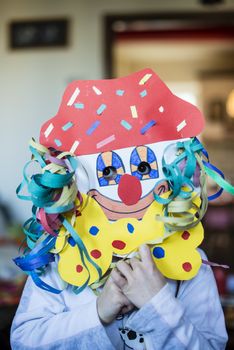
column 102, row 115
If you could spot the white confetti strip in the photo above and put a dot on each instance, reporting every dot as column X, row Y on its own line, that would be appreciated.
column 106, row 141
column 73, row 97
column 145, row 79
column 74, row 146
column 48, row 130
column 134, row 111
column 161, row 109
column 181, row 125
column 96, row 90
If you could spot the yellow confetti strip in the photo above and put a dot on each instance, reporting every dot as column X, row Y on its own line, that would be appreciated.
column 145, row 79
column 74, row 146
column 134, row 111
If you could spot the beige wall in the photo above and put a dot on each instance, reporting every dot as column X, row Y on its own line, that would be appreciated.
column 31, row 82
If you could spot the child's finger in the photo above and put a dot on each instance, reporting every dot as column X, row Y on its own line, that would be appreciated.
column 125, row 309
column 134, row 262
column 145, row 254
column 125, row 269
column 117, row 278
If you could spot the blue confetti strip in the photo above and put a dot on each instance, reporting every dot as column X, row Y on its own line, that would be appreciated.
column 93, row 127
column 58, row 142
column 79, row 105
column 67, row 126
column 148, row 126
column 120, row 92
column 143, row 93
column 101, row 109
column 126, row 125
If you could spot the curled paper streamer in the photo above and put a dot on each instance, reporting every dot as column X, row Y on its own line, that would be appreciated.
column 53, row 191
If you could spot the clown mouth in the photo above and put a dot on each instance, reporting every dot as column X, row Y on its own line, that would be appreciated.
column 115, row 210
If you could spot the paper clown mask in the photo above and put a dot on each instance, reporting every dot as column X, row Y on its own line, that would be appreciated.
column 140, row 179
column 119, row 130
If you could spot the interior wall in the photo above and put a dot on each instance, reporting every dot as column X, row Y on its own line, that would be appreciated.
column 32, row 81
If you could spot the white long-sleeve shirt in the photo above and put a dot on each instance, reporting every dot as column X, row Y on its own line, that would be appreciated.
column 192, row 320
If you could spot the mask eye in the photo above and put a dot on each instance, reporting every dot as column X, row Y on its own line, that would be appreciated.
column 144, row 168
column 109, row 168
column 109, row 173
column 143, row 163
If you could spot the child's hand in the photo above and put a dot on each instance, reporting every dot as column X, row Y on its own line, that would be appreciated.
column 112, row 301
column 139, row 280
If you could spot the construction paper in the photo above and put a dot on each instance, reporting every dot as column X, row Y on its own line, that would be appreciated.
column 102, row 115
column 103, row 238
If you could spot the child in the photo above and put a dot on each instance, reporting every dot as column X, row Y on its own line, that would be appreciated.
column 116, row 261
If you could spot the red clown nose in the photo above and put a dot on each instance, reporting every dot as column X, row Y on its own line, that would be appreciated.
column 129, row 189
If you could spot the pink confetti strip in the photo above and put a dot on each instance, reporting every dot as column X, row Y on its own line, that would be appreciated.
column 105, row 141
column 210, row 263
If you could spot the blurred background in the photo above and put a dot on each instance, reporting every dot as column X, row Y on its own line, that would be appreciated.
column 46, row 44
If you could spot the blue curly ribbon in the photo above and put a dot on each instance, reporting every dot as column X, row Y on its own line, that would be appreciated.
column 44, row 191
column 36, row 259
column 216, row 174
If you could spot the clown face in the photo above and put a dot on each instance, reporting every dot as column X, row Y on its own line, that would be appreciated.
column 119, row 130
column 123, row 182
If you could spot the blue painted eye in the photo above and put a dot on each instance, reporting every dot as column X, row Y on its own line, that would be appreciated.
column 109, row 168
column 143, row 163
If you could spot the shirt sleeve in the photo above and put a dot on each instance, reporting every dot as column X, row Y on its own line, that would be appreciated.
column 46, row 321
column 194, row 320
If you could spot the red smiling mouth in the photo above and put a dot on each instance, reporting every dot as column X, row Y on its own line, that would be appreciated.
column 115, row 210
